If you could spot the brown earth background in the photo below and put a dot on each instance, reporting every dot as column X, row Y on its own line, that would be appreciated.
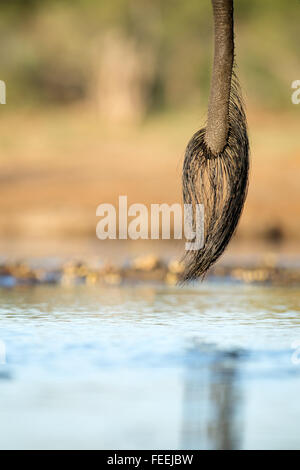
column 102, row 100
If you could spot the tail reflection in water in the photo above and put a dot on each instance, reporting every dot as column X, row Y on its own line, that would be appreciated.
column 212, row 400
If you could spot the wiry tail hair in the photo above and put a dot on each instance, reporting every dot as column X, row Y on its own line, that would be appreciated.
column 219, row 182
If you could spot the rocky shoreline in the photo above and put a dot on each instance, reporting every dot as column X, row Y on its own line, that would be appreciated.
column 143, row 269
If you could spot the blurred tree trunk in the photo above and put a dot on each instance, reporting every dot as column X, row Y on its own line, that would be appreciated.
column 124, row 73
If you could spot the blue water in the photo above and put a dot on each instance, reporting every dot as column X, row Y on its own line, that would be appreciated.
column 209, row 367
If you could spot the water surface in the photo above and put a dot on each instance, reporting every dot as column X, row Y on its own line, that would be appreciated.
column 208, row 367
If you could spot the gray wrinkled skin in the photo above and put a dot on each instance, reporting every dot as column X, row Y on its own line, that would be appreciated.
column 216, row 164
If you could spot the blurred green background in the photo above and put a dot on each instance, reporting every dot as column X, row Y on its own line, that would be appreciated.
column 102, row 98
column 51, row 49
